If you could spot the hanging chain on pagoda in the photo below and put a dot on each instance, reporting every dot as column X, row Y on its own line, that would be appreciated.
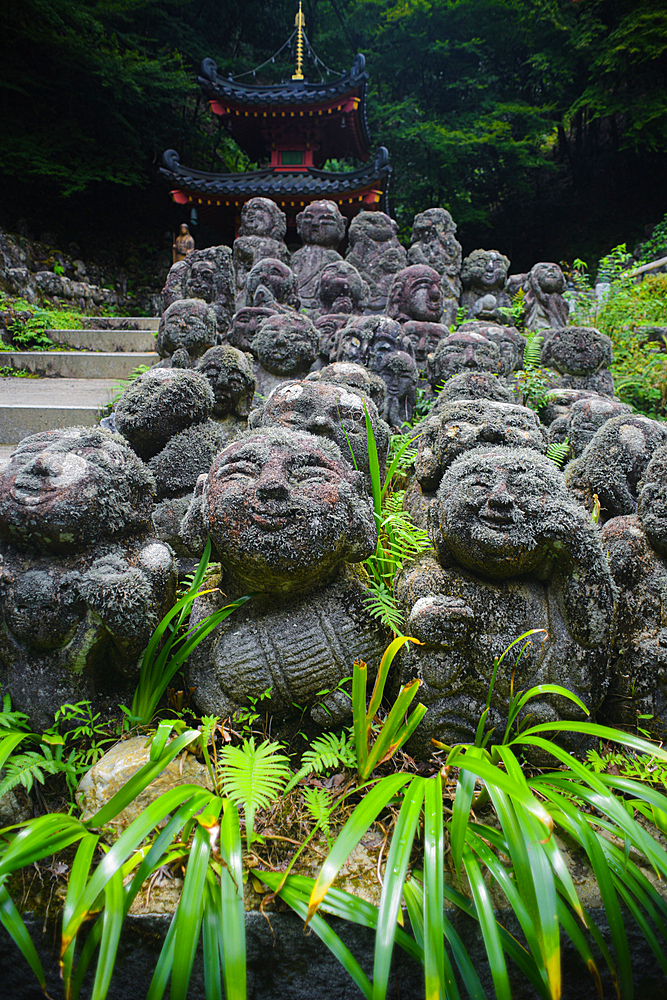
column 300, row 22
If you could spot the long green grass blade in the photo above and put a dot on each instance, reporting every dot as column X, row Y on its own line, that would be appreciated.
column 373, row 467
column 394, row 880
column 77, row 883
column 112, row 922
column 493, row 776
column 191, row 904
column 438, row 978
column 232, row 913
column 593, row 729
column 212, row 938
column 162, row 972
column 13, row 923
column 575, row 934
column 356, row 826
column 10, row 742
column 488, row 926
column 383, row 672
column 465, row 788
column 39, row 839
column 393, row 730
column 361, row 727
column 643, row 924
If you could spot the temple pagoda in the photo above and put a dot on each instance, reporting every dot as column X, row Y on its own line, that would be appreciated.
column 296, row 126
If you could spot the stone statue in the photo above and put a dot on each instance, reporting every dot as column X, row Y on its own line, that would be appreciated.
column 387, row 338
column 230, row 375
column 183, row 244
column 484, row 272
column 544, row 305
column 327, row 409
column 285, row 346
column 472, row 384
column 433, row 243
column 272, row 284
column 206, row 275
column 328, row 327
column 399, row 373
column 581, row 356
column 82, row 585
column 188, row 324
column 508, row 339
column 283, row 512
column 261, row 234
column 245, row 324
column 321, row 228
column 340, row 290
column 613, row 463
column 637, row 550
column 159, row 404
column 356, row 377
column 461, row 351
column 584, row 419
column 424, row 338
column 462, row 424
column 415, row 294
column 514, row 552
column 376, row 253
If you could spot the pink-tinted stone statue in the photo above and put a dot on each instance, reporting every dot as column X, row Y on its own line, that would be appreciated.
column 272, row 284
column 82, row 583
column 245, row 324
column 321, row 228
column 508, row 339
column 206, row 275
column 261, row 234
column 484, row 273
column 545, row 307
column 341, row 289
column 433, row 242
column 425, row 338
column 415, row 294
column 376, row 253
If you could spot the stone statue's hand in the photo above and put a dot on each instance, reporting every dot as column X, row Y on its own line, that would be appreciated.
column 440, row 619
column 118, row 593
column 566, row 536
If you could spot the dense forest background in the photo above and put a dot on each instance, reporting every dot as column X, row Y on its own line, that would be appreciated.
column 540, row 124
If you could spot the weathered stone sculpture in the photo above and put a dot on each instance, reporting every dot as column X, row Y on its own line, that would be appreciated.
column 584, row 420
column 463, row 424
column 272, row 284
column 326, row 409
column 471, row 384
column 283, row 512
column 206, row 275
column 544, row 305
column 160, row 403
column 460, row 352
column 321, row 228
column 484, row 272
column 514, row 553
column 424, row 338
column 183, row 243
column 245, row 324
column 261, row 234
column 188, row 324
column 285, row 346
column 82, row 586
column 387, row 338
column 580, row 355
column 415, row 294
column 356, row 377
column 508, row 339
column 399, row 373
column 637, row 550
column 433, row 242
column 376, row 253
column 340, row 289
column 229, row 373
column 612, row 465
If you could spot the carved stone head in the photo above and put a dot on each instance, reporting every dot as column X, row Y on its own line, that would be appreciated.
column 66, row 489
column 425, row 338
column 230, row 375
column 245, row 324
column 283, row 511
column 399, row 373
column 485, row 270
column 548, row 277
column 341, row 288
column 507, row 338
column 262, row 217
column 587, row 416
column 461, row 351
column 416, row 294
column 322, row 224
column 160, row 403
column 471, row 384
column 577, row 350
column 271, row 281
column 286, row 343
column 188, row 324
column 357, row 378
column 433, row 242
column 373, row 227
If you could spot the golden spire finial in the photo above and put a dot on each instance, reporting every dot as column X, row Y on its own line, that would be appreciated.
column 300, row 22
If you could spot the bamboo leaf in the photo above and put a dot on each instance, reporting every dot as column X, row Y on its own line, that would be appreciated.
column 112, row 922
column 232, row 911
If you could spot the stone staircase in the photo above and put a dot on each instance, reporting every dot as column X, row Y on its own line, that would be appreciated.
column 74, row 384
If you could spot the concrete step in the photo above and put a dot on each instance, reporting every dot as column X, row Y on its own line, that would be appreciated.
column 79, row 364
column 126, row 322
column 28, row 406
column 105, row 340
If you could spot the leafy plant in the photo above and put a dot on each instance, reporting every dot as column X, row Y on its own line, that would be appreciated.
column 320, row 805
column 375, row 744
column 559, row 452
column 252, row 777
column 656, row 245
column 327, row 751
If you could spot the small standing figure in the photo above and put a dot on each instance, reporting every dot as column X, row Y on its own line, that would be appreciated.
column 321, row 228
column 376, row 253
column 261, row 234
column 484, row 274
column 399, row 373
column 581, row 356
column 545, row 307
column 434, row 243
column 183, row 244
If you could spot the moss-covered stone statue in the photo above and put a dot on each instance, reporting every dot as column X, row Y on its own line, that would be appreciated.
column 187, row 325
column 581, row 356
column 285, row 514
column 514, row 552
column 82, row 583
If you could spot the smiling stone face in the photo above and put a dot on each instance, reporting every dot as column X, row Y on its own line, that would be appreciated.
column 490, row 508
column 262, row 217
column 65, row 489
column 189, row 324
column 286, row 344
column 463, row 351
column 321, row 223
column 272, row 281
column 416, row 294
column 284, row 508
column 587, row 416
column 652, row 507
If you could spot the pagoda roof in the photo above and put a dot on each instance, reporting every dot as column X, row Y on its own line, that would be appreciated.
column 365, row 187
column 329, row 115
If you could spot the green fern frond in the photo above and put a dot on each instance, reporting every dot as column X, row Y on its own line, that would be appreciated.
column 26, row 768
column 10, row 719
column 559, row 452
column 404, row 455
column 319, row 804
column 327, row 751
column 253, row 777
column 532, row 352
column 380, row 603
